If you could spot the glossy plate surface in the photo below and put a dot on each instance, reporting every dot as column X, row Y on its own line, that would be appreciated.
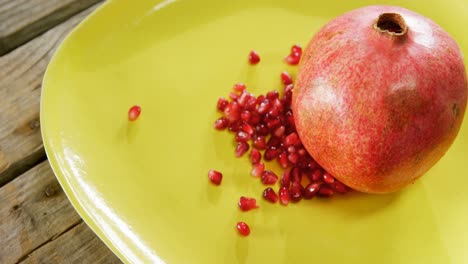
column 143, row 187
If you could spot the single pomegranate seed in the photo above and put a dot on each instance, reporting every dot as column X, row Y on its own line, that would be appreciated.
column 270, row 195
column 215, row 176
column 262, row 130
column 311, row 190
column 232, row 111
column 257, row 169
column 293, row 158
column 260, row 99
column 316, row 175
column 241, row 149
column 288, row 91
column 255, row 156
column 273, row 123
column 296, row 175
column 291, row 139
column 263, row 107
column 239, row 87
column 235, row 126
column 247, row 204
column 340, row 187
column 254, row 118
column 259, row 142
column 292, row 59
column 284, row 195
column 283, row 160
column 134, row 112
column 233, row 96
column 269, row 177
column 295, row 192
column 248, row 129
column 243, row 228
column 284, row 181
column 241, row 136
column 254, row 58
column 222, row 103
column 301, row 152
column 251, row 103
column 279, row 132
column 328, row 178
column 272, row 95
column 221, row 123
column 296, row 49
column 270, row 154
column 312, row 164
column 286, row 78
column 246, row 115
column 291, row 149
column 325, row 191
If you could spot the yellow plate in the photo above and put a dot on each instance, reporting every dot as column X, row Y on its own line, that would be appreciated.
column 143, row 187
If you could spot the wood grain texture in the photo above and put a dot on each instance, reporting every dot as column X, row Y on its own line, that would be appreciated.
column 21, row 75
column 22, row 20
column 79, row 245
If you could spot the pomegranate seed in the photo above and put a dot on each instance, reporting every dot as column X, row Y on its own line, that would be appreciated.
column 270, row 154
column 222, row 103
column 247, row 129
column 263, row 107
column 339, row 187
column 250, row 104
column 283, row 160
column 215, row 176
column 295, row 192
column 255, row 156
column 301, row 152
column 270, row 195
column 291, row 139
column 239, row 87
column 235, row 126
column 274, row 123
column 291, row 149
column 279, row 132
column 292, row 59
column 241, row 136
column 233, row 96
column 232, row 111
column 286, row 78
column 316, row 175
column 260, row 99
column 284, row 195
column 296, row 49
column 296, row 175
column 293, row 158
column 325, row 191
column 221, row 123
column 262, row 130
column 257, row 169
column 284, row 181
column 311, row 190
column 254, row 118
column 247, row 204
column 269, row 177
column 259, row 142
column 312, row 164
column 272, row 95
column 328, row 178
column 254, row 58
column 243, row 228
column 288, row 90
column 245, row 115
column 241, row 149
column 134, row 112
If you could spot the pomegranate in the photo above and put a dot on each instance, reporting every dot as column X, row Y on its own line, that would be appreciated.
column 379, row 98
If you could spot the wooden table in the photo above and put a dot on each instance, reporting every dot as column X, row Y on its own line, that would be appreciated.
column 37, row 222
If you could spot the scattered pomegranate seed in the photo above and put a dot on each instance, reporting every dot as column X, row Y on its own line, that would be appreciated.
column 259, row 142
column 239, row 87
column 316, row 175
column 339, row 187
column 243, row 228
column 284, row 181
column 232, row 111
column 292, row 59
column 328, row 178
column 247, row 204
column 255, row 156
column 241, row 149
column 311, row 190
column 291, row 139
column 270, row 154
column 284, row 195
column 325, row 191
column 222, row 103
column 269, row 177
column 134, row 112
column 296, row 49
column 257, row 169
column 295, row 192
column 247, row 129
column 270, row 195
column 221, row 123
column 283, row 160
column 215, row 176
column 241, row 136
column 286, row 78
column 246, row 115
column 254, row 58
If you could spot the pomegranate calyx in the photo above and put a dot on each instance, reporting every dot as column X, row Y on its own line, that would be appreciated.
column 392, row 24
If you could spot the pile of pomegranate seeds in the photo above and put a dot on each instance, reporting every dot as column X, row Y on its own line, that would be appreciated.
column 264, row 126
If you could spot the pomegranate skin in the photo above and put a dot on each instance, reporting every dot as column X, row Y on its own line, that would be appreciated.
column 376, row 106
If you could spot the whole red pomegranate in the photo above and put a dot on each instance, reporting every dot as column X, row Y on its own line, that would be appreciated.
column 379, row 97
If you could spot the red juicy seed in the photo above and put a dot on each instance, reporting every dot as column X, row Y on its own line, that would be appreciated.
column 251, row 104
column 292, row 59
column 241, row 136
column 257, row 169
column 235, row 126
column 312, row 165
column 291, row 139
column 263, row 107
column 260, row 99
column 259, row 142
column 311, row 190
column 325, row 191
column 283, row 160
column 241, row 149
column 269, row 177
column 247, row 204
column 247, row 129
column 274, row 112
column 316, row 175
column 296, row 175
column 272, row 95
column 296, row 49
column 215, row 176
column 301, row 152
column 254, row 118
column 291, row 149
column 245, row 115
column 270, row 195
column 254, row 58
column 279, row 132
column 221, row 123
column 134, row 112
column 288, row 90
column 293, row 158
column 270, row 154
column 328, row 178
column 273, row 123
column 243, row 228
column 239, row 87
column 295, row 192
column 273, row 142
column 262, row 130
column 243, row 98
column 284, row 181
column 232, row 111
column 284, row 195
column 255, row 156
column 286, row 78
column 222, row 103
column 233, row 96
column 340, row 187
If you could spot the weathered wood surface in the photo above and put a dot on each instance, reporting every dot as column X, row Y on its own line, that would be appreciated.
column 21, row 75
column 22, row 20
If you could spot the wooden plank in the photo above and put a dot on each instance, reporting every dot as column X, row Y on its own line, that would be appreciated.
column 22, row 20
column 79, row 245
column 21, row 73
